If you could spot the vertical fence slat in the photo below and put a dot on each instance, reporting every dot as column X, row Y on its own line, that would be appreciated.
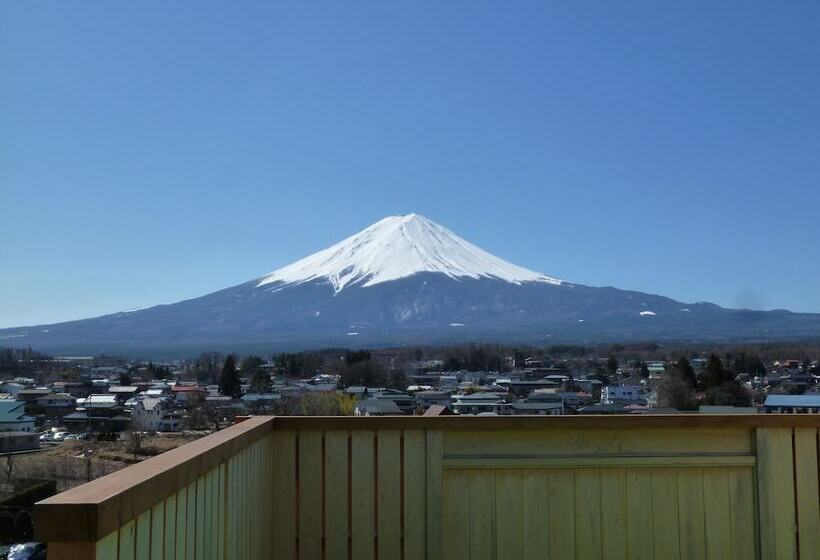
column 157, row 531
column 639, row 514
column 245, row 512
column 255, row 502
column 691, row 515
column 775, row 477
column 284, row 521
column 336, row 506
column 562, row 513
column 613, row 514
column 233, row 488
column 220, row 513
column 742, row 503
column 717, row 513
column 587, row 514
column 310, row 494
column 107, row 546
column 808, row 495
column 143, row 540
column 389, row 495
column 213, row 490
column 362, row 495
column 201, row 496
column 481, row 512
column 536, row 514
column 170, row 533
column 267, row 477
column 182, row 523
column 127, row 541
column 434, row 454
column 415, row 515
column 456, row 516
column 509, row 519
column 190, row 528
column 665, row 513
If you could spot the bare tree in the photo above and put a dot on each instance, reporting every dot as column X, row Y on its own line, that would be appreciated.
column 136, row 435
column 674, row 391
column 10, row 459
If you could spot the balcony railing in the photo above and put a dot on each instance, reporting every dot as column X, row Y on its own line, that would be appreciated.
column 665, row 487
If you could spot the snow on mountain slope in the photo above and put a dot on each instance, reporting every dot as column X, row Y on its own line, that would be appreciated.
column 397, row 247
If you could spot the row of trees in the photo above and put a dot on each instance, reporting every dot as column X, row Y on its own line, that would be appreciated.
column 719, row 383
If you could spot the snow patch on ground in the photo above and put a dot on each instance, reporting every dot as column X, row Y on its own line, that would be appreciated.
column 397, row 247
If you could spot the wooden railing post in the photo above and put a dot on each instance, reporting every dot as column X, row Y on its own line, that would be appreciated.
column 434, row 494
column 775, row 482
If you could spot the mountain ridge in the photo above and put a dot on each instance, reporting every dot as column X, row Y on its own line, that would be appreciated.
column 406, row 280
column 396, row 247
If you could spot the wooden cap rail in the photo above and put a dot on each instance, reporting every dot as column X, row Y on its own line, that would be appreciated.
column 89, row 512
column 93, row 510
column 575, row 422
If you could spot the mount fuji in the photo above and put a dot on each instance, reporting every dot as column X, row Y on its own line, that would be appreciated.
column 406, row 280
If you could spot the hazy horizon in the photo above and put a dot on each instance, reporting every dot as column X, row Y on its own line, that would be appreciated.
column 152, row 152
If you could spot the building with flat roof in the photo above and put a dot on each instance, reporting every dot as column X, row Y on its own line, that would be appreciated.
column 793, row 404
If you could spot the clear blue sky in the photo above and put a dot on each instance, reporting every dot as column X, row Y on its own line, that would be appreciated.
column 152, row 151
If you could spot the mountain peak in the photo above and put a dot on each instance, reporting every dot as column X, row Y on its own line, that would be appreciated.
column 396, row 247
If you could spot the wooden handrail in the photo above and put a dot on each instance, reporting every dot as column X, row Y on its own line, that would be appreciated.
column 582, row 422
column 93, row 510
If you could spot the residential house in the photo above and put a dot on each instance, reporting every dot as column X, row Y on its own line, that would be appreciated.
column 260, row 401
column 31, row 395
column 11, row 388
column 478, row 403
column 426, row 399
column 97, row 413
column 361, row 392
column 123, row 392
column 405, row 402
column 540, row 408
column 156, row 415
column 55, row 405
column 793, row 404
column 376, row 407
column 13, row 417
column 623, row 394
column 522, row 388
column 186, row 392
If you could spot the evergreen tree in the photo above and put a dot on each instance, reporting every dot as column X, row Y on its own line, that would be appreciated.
column 685, row 369
column 260, row 383
column 250, row 365
column 229, row 383
column 612, row 365
column 644, row 370
column 716, row 374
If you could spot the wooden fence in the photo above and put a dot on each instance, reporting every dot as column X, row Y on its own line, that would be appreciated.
column 665, row 487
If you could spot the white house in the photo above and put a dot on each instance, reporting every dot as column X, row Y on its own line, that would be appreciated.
column 11, row 387
column 156, row 415
column 621, row 394
column 13, row 417
column 477, row 403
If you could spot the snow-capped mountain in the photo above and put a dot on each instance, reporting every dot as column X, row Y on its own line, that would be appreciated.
column 405, row 280
column 397, row 247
